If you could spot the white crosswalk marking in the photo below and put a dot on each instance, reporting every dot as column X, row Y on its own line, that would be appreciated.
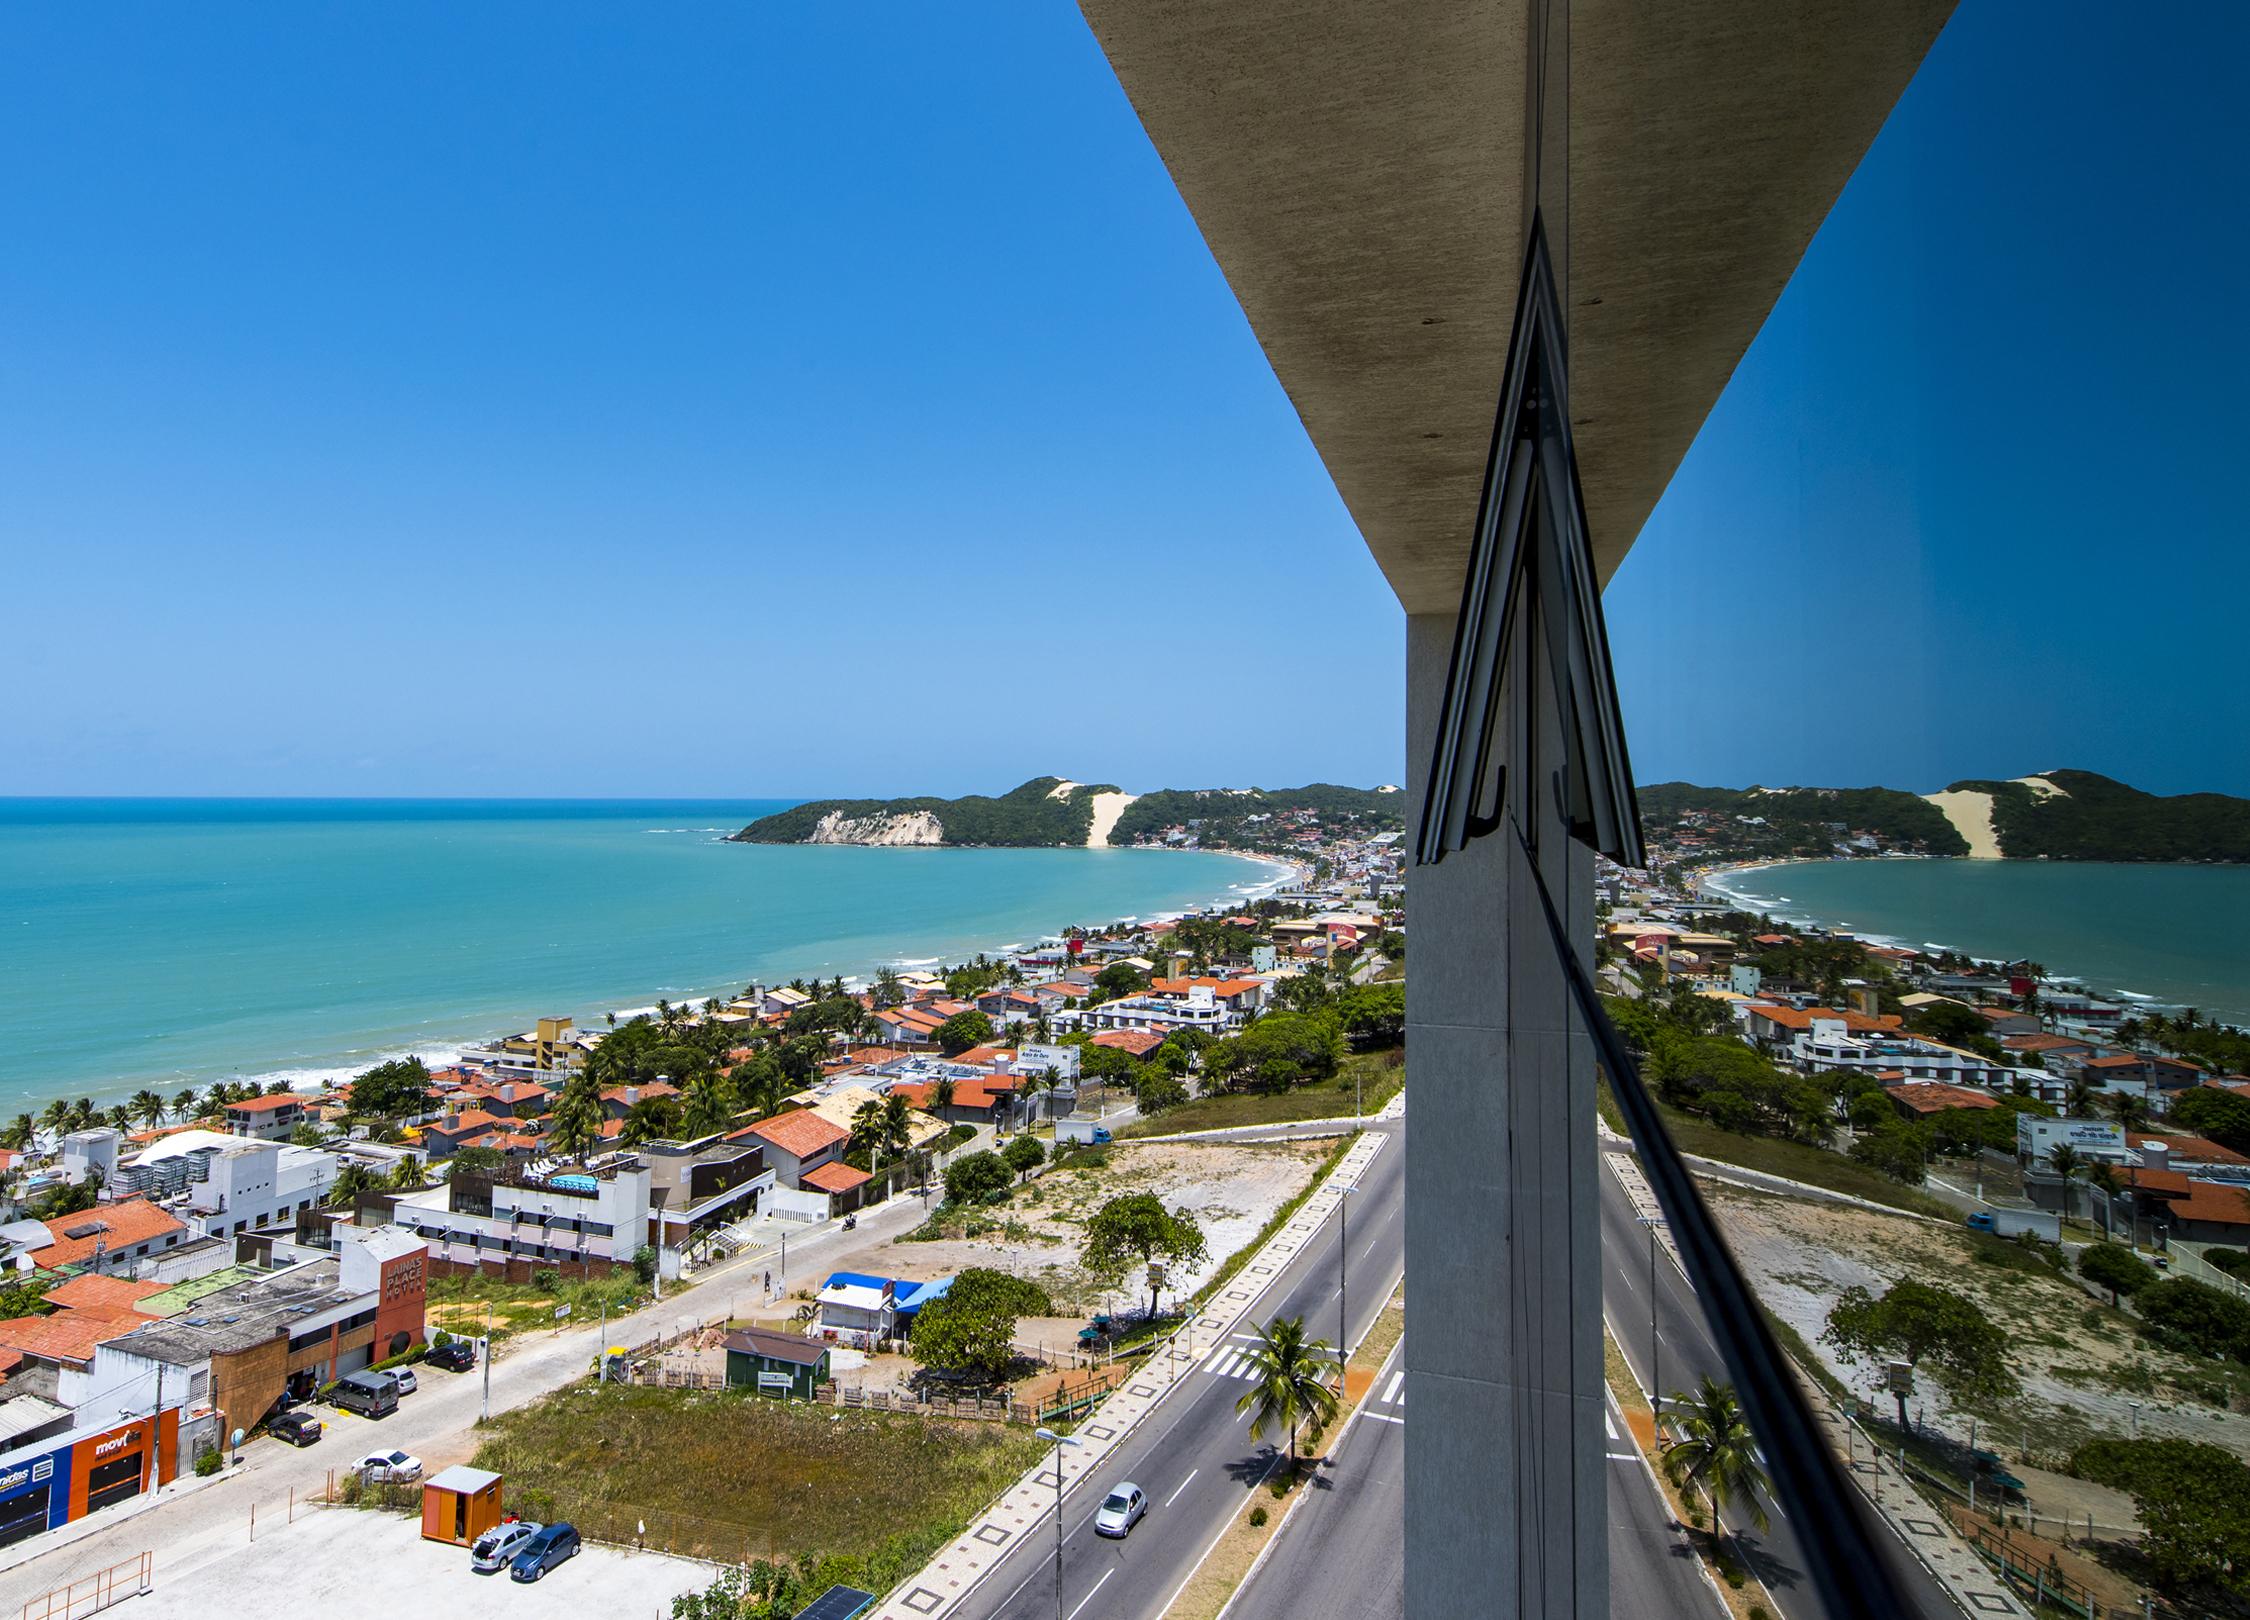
column 1230, row 1362
column 1394, row 1396
column 1609, row 1425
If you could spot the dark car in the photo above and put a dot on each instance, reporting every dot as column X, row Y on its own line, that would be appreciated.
column 544, row 1551
column 455, row 1355
column 298, row 1428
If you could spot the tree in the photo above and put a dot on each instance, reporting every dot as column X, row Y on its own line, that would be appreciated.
column 962, row 1031
column 1280, row 1050
column 148, row 1107
column 707, row 1107
column 1137, row 1226
column 2221, row 1115
column 1916, row 1322
column 974, row 1178
column 649, row 1119
column 2128, row 1108
column 2063, row 1159
column 307, row 1134
column 1899, row 1150
column 970, row 1329
column 1374, row 1015
column 352, row 1180
column 1024, row 1155
column 576, row 1127
column 1155, row 1090
column 1289, row 1377
column 2195, row 1316
column 2189, row 1496
column 1715, row 1452
column 21, row 1132
column 941, row 1094
column 406, row 1175
column 1119, row 980
column 889, row 991
column 475, row 1161
column 2116, row 1268
column 392, row 1090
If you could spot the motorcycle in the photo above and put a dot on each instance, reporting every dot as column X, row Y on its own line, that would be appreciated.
column 850, row 1221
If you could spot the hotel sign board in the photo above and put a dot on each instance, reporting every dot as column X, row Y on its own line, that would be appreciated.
column 2037, row 1137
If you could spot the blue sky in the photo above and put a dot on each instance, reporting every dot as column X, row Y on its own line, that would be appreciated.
column 548, row 399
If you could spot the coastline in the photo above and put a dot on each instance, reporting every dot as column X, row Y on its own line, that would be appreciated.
column 1273, row 874
column 2042, row 939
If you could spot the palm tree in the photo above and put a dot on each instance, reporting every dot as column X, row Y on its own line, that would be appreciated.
column 651, row 1119
column 148, row 1108
column 898, row 1124
column 55, row 1116
column 577, row 1126
column 350, row 1182
column 83, row 1113
column 406, row 1175
column 709, row 1105
column 184, row 1103
column 889, row 992
column 867, row 1130
column 2079, row 1100
column 20, row 1132
column 1289, row 1382
column 1715, row 1452
column 941, row 1095
column 2063, row 1159
column 120, row 1117
column 2129, row 1109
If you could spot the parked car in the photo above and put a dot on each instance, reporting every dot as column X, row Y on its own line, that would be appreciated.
column 390, row 1468
column 402, row 1379
column 496, row 1549
column 455, row 1355
column 298, row 1428
column 1121, row 1509
column 547, row 1548
column 368, row 1394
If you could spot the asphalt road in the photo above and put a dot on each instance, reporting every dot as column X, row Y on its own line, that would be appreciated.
column 1682, row 1352
column 1342, row 1554
column 1194, row 1456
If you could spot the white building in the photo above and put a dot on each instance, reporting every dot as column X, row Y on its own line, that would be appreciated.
column 219, row 1185
column 579, row 1213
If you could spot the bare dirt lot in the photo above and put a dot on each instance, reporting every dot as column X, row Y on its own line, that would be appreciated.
column 1230, row 1187
column 2082, row 1365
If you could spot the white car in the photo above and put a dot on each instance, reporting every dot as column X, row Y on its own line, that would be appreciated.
column 390, row 1468
column 498, row 1546
column 403, row 1378
column 1121, row 1509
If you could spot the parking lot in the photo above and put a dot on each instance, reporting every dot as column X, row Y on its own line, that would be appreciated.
column 343, row 1564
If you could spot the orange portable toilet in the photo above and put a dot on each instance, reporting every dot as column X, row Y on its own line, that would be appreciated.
column 459, row 1505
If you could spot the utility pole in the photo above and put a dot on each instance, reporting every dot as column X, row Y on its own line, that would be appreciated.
column 1343, row 1312
column 1655, row 1345
column 1060, row 1441
column 485, row 1416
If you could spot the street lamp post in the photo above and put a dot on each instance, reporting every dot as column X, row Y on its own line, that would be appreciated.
column 1655, row 1345
column 1058, row 1441
column 1343, row 1247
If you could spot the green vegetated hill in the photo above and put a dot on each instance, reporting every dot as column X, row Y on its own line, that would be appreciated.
column 1246, row 818
column 1029, row 816
column 1033, row 815
column 2094, row 818
column 1777, row 822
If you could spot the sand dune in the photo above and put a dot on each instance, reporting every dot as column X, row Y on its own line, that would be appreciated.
column 1971, row 815
column 1107, row 808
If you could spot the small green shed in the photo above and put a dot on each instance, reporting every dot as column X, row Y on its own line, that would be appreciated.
column 779, row 1364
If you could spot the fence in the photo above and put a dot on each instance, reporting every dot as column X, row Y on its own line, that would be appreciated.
column 984, row 1408
column 2021, row 1567
column 90, row 1594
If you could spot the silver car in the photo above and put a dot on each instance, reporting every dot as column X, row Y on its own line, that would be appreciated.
column 390, row 1468
column 499, row 1545
column 1121, row 1509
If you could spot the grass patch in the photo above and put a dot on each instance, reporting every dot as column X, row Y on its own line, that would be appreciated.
column 459, row 1304
column 1373, row 1077
column 1798, row 1162
column 868, row 1496
column 1274, row 1223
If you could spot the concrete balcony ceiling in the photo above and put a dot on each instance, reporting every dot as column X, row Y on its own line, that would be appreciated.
column 1358, row 172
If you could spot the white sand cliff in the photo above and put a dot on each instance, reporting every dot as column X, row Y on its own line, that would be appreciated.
column 1971, row 815
column 913, row 828
column 2042, row 787
column 1107, row 808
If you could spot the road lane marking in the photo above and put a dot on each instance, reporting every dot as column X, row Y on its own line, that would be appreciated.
column 1609, row 1424
column 1183, row 1485
column 1089, row 1597
column 1390, row 1395
column 1381, row 1417
column 1625, row 1456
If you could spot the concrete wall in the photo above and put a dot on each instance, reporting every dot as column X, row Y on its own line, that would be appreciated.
column 1505, row 1503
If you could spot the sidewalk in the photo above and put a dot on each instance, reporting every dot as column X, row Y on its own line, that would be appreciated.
column 1029, row 1503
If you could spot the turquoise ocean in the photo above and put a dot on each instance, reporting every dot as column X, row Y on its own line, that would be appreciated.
column 2164, row 935
column 177, row 942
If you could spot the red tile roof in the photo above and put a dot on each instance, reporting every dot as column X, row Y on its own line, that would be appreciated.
column 800, row 1133
column 2117, row 1060
column 113, row 1226
column 1139, row 1042
column 67, row 1335
column 1933, row 1096
column 1856, row 1023
column 837, row 1177
column 2044, row 1043
column 95, row 1293
column 922, row 1094
column 266, row 1105
column 1224, row 989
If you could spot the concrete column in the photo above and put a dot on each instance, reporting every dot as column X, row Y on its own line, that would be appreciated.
column 1505, row 1491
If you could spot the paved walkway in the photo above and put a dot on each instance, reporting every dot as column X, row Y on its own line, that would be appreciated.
column 1031, row 1500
